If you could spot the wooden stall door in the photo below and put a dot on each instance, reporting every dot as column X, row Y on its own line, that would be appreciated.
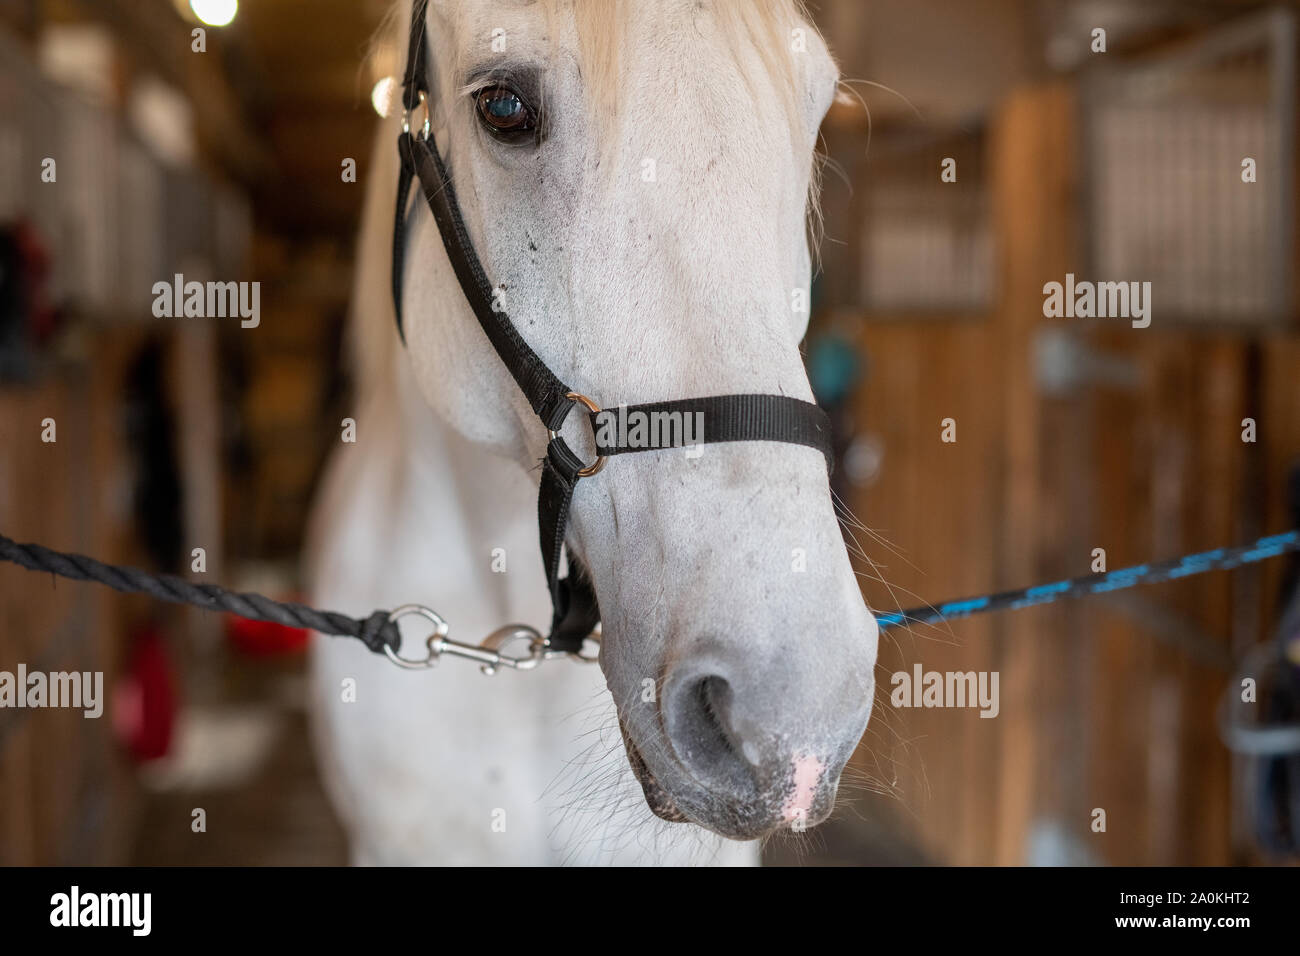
column 1107, row 704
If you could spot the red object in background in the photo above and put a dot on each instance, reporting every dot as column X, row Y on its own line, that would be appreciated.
column 36, row 260
column 265, row 639
column 144, row 699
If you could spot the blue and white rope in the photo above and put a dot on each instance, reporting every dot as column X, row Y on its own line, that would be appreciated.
column 1218, row 559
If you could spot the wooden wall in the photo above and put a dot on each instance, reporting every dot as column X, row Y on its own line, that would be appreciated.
column 56, row 767
column 1104, row 703
column 67, row 792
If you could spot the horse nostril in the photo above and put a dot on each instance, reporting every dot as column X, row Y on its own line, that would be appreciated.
column 699, row 718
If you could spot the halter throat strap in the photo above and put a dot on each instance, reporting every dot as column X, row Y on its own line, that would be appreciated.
column 725, row 418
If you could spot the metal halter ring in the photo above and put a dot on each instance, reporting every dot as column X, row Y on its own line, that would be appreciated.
column 599, row 463
column 581, row 656
column 426, row 131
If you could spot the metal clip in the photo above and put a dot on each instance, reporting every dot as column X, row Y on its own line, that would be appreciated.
column 488, row 654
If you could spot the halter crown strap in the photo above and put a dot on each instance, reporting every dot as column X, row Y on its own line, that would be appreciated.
column 724, row 418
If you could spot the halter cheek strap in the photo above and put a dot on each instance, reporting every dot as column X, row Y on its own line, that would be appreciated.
column 725, row 418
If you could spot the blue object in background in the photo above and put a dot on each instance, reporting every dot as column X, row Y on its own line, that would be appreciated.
column 833, row 368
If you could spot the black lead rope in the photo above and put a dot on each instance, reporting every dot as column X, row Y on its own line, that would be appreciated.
column 725, row 418
column 375, row 631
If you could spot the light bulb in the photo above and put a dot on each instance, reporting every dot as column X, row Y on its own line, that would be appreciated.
column 215, row 13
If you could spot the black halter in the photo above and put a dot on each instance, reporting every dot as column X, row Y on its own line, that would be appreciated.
column 725, row 417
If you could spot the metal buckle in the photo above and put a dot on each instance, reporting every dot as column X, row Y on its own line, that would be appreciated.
column 426, row 130
column 595, row 467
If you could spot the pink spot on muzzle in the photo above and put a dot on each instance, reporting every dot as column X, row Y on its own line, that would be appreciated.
column 807, row 775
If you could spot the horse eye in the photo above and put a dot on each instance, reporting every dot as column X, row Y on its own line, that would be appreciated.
column 504, row 113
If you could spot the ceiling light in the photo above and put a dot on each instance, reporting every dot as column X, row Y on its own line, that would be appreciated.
column 215, row 13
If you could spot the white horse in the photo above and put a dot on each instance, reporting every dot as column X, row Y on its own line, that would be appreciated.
column 636, row 178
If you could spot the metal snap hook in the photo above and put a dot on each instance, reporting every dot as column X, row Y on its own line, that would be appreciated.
column 489, row 654
column 503, row 636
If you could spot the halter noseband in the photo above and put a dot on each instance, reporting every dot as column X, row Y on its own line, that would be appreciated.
column 725, row 417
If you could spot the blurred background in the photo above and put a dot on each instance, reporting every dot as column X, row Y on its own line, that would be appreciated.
column 1072, row 435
